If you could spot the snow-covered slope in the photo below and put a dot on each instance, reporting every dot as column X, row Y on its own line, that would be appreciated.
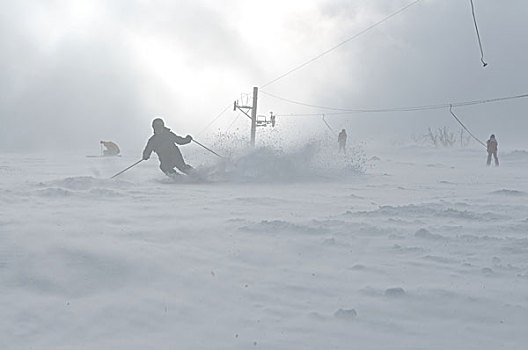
column 408, row 249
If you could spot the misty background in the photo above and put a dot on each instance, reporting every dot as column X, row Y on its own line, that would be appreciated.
column 75, row 72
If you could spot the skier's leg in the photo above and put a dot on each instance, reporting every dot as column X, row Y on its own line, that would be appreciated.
column 496, row 158
column 167, row 170
column 180, row 163
column 186, row 169
column 489, row 159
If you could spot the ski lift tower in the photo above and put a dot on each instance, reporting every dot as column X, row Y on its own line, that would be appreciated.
column 255, row 120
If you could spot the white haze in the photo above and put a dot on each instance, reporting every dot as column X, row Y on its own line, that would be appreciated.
column 75, row 72
column 290, row 245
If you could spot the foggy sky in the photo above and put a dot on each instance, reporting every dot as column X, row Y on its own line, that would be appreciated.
column 76, row 72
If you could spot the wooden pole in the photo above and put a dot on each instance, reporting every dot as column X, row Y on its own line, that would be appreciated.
column 254, row 116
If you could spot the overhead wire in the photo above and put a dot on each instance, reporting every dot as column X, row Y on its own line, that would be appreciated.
column 340, row 44
column 234, row 121
column 362, row 110
column 395, row 109
column 215, row 119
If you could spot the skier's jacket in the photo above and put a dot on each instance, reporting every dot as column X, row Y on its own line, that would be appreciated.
column 111, row 147
column 492, row 145
column 163, row 142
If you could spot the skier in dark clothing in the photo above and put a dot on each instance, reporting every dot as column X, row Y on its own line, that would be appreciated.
column 492, row 150
column 163, row 142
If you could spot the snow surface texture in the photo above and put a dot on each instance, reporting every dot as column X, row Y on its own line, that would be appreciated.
column 412, row 249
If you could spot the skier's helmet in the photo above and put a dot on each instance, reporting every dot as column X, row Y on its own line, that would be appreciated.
column 158, row 123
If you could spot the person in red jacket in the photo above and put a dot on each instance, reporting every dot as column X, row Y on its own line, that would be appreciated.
column 163, row 142
column 492, row 150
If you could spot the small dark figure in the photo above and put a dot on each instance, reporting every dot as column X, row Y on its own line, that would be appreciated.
column 163, row 142
column 111, row 148
column 341, row 140
column 492, row 150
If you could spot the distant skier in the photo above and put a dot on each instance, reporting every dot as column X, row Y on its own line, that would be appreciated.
column 341, row 140
column 492, row 150
column 163, row 142
column 111, row 148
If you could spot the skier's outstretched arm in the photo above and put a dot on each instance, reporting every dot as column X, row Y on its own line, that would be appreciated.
column 148, row 150
column 181, row 140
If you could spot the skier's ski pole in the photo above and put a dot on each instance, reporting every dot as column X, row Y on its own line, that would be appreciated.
column 210, row 150
column 122, row 171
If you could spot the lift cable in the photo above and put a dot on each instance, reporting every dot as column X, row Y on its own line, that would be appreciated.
column 215, row 119
column 484, row 64
column 340, row 44
column 396, row 109
column 469, row 132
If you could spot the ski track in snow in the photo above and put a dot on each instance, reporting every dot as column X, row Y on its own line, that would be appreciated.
column 423, row 244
